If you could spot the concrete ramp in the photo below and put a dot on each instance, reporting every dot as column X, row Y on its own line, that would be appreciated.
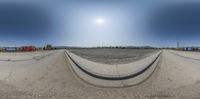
column 113, row 75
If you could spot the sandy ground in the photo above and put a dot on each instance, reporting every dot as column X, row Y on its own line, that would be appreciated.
column 114, row 56
column 52, row 78
column 188, row 54
column 22, row 56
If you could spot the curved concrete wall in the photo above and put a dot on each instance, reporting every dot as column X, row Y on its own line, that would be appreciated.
column 113, row 75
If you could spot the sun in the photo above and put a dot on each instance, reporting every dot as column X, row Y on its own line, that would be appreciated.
column 99, row 21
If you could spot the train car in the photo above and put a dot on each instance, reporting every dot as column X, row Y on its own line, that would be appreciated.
column 10, row 49
column 27, row 48
column 179, row 49
column 188, row 49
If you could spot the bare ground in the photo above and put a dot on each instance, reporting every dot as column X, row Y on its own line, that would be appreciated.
column 114, row 56
column 52, row 78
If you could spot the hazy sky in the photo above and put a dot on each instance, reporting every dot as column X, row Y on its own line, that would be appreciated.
column 100, row 22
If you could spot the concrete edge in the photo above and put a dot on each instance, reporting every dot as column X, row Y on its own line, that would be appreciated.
column 115, row 72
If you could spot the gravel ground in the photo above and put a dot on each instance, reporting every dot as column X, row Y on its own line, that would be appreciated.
column 188, row 54
column 22, row 56
column 114, row 56
column 52, row 78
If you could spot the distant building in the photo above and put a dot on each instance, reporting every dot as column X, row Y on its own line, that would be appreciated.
column 39, row 48
column 48, row 47
column 179, row 49
column 2, row 49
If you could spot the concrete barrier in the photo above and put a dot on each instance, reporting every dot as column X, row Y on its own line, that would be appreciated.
column 113, row 75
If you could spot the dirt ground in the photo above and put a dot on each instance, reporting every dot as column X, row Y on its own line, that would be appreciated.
column 53, row 78
column 114, row 56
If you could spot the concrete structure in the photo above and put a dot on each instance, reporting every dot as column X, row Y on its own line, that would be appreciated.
column 113, row 75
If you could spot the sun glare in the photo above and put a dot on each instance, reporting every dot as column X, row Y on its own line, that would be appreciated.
column 99, row 21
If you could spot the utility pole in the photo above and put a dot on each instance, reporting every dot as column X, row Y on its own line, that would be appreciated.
column 177, row 44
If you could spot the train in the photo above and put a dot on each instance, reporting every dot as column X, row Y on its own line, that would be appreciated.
column 27, row 48
column 18, row 49
column 188, row 49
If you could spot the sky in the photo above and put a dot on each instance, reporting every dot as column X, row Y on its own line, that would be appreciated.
column 88, row 23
